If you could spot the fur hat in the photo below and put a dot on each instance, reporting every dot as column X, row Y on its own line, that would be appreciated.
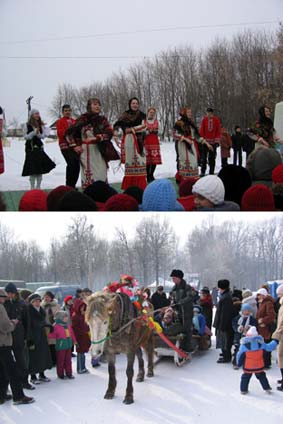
column 263, row 292
column 211, row 188
column 33, row 201
column 236, row 180
column 160, row 196
column 177, row 273
column 246, row 307
column 279, row 290
column 3, row 293
column 25, row 293
column 55, row 195
column 223, row 284
column 121, row 202
column 99, row 191
column 247, row 293
column 34, row 297
column 237, row 294
column 252, row 332
column 186, row 186
column 11, row 288
column 74, row 201
column 258, row 198
column 135, row 192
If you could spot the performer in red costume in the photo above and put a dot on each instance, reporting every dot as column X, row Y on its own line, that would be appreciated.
column 210, row 130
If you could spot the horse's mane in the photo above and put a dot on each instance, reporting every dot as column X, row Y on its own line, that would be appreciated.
column 96, row 302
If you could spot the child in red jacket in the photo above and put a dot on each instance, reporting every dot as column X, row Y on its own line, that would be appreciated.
column 81, row 330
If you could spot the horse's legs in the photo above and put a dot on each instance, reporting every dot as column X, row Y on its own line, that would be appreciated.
column 150, row 353
column 140, row 376
column 129, row 397
column 112, row 378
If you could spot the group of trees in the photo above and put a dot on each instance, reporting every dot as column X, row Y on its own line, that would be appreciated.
column 248, row 255
column 234, row 77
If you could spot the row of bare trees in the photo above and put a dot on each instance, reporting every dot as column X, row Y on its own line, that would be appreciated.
column 235, row 77
column 248, row 255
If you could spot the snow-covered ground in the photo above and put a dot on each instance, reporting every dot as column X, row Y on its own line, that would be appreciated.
column 15, row 154
column 200, row 392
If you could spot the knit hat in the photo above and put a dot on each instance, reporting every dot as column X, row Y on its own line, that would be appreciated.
column 55, row 195
column 246, row 307
column 67, row 298
column 160, row 195
column 177, row 273
column 25, row 293
column 32, row 112
column 50, row 294
column 258, row 198
column 60, row 315
column 34, row 297
column 205, row 290
column 263, row 292
column 186, row 186
column 100, row 191
column 211, row 188
column 223, row 284
column 252, row 332
column 11, row 288
column 121, row 202
column 3, row 293
column 261, row 163
column 236, row 180
column 197, row 308
column 135, row 192
column 279, row 290
column 247, row 293
column 76, row 202
column 277, row 174
column 33, row 201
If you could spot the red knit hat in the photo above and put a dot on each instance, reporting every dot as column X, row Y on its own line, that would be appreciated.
column 258, row 198
column 121, row 202
column 33, row 200
column 55, row 195
column 67, row 298
column 186, row 185
column 277, row 174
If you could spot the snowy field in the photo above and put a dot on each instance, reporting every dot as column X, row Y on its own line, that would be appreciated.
column 14, row 159
column 200, row 392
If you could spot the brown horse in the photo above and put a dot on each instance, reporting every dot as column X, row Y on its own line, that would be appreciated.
column 115, row 328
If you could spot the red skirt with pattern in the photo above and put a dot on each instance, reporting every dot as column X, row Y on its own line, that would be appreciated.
column 152, row 150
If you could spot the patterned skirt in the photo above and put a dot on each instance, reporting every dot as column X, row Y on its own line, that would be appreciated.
column 152, row 150
column 135, row 163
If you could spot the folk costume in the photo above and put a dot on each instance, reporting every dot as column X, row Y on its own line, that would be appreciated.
column 132, row 147
column 93, row 133
column 210, row 130
column 264, row 130
column 152, row 147
column 187, row 154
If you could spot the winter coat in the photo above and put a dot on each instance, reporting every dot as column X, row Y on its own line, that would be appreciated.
column 237, row 141
column 224, row 313
column 278, row 334
column 39, row 353
column 240, row 325
column 80, row 327
column 199, row 324
column 182, row 295
column 62, row 125
column 251, row 300
column 17, row 309
column 64, row 336
column 6, row 328
column 206, row 304
column 250, row 354
column 159, row 300
column 266, row 312
column 50, row 309
column 225, row 143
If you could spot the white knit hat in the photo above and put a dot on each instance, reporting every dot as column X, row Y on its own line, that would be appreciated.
column 262, row 291
column 211, row 187
column 279, row 290
column 252, row 332
column 32, row 112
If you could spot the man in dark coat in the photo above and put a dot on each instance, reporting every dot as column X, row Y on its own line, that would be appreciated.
column 17, row 309
column 237, row 145
column 182, row 296
column 159, row 299
column 223, row 322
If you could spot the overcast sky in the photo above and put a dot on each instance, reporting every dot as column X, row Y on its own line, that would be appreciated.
column 23, row 20
column 42, row 226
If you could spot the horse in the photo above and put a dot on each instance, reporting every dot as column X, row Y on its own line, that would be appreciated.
column 116, row 327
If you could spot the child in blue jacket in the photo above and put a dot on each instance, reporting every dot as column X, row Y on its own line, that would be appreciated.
column 199, row 321
column 250, row 356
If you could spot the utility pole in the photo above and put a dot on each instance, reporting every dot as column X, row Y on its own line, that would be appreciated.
column 28, row 102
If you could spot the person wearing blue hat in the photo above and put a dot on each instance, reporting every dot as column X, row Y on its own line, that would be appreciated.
column 160, row 196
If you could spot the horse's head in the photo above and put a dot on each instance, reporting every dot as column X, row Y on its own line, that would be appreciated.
column 99, row 315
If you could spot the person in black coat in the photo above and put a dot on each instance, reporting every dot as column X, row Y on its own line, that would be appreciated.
column 39, row 353
column 237, row 145
column 182, row 296
column 159, row 299
column 225, row 313
column 17, row 309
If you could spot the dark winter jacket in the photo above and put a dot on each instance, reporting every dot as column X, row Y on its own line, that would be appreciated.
column 237, row 141
column 224, row 313
column 240, row 321
column 182, row 295
column 80, row 327
column 250, row 354
column 17, row 309
column 267, row 313
column 39, row 353
column 159, row 300
column 206, row 304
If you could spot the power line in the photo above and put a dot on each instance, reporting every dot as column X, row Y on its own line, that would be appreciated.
column 141, row 31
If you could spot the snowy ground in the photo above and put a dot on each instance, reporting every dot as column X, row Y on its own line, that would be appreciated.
column 200, row 392
column 14, row 159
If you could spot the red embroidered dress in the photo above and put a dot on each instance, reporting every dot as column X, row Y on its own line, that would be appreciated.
column 151, row 143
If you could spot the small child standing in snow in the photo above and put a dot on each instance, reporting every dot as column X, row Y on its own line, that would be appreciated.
column 241, row 324
column 65, row 338
column 81, row 330
column 250, row 356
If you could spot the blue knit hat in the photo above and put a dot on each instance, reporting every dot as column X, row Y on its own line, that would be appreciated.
column 246, row 307
column 160, row 196
column 11, row 288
